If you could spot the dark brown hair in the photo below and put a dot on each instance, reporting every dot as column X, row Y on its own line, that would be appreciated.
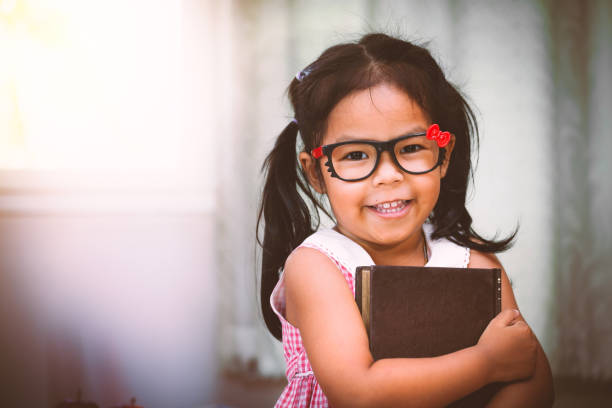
column 289, row 205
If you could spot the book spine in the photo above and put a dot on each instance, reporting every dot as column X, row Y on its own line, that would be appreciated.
column 358, row 287
column 497, row 278
column 365, row 298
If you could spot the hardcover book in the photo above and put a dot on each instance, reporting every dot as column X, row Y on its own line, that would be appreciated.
column 416, row 312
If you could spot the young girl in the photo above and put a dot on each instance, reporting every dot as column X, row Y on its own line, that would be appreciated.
column 387, row 140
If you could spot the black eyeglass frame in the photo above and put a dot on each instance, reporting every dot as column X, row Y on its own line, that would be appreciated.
column 380, row 147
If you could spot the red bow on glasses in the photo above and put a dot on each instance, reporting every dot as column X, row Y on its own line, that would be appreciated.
column 442, row 138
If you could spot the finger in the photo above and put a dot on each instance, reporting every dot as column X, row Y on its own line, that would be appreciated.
column 519, row 323
column 505, row 317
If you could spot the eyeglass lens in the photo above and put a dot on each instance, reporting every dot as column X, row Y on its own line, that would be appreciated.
column 356, row 160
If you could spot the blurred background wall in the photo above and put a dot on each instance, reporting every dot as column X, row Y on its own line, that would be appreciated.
column 131, row 138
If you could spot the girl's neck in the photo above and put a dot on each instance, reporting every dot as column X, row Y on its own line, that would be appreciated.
column 412, row 252
column 401, row 255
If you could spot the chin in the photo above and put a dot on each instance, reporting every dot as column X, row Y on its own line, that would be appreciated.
column 390, row 238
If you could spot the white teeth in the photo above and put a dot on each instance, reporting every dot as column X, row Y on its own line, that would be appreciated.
column 391, row 207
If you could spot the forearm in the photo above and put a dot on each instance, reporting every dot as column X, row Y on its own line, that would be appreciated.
column 536, row 391
column 422, row 382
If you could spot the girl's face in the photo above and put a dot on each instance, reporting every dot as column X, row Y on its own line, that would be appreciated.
column 381, row 113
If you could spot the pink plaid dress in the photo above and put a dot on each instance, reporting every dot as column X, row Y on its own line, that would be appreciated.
column 303, row 389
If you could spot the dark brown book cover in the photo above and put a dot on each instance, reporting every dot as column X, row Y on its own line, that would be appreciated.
column 427, row 312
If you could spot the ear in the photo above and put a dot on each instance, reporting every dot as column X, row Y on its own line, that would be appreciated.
column 309, row 164
column 447, row 155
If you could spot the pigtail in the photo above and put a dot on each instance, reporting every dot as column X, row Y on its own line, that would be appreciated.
column 286, row 217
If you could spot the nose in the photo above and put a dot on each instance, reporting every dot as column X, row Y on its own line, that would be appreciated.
column 387, row 171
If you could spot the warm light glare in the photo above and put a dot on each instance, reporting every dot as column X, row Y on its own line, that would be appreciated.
column 90, row 84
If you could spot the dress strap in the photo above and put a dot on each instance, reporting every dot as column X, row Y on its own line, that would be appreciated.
column 340, row 248
column 444, row 252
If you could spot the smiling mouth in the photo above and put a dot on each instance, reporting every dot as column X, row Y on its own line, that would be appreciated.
column 390, row 207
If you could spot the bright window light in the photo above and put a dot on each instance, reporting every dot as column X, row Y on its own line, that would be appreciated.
column 91, row 85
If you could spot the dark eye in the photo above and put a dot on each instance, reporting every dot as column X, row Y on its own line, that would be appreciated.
column 413, row 148
column 357, row 155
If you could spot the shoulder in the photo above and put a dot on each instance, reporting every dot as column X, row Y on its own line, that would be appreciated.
column 480, row 259
column 312, row 283
column 305, row 265
column 303, row 258
column 310, row 255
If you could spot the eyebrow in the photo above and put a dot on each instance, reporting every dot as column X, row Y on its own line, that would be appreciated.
column 349, row 138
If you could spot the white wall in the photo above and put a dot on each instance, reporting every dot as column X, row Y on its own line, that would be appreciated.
column 121, row 305
column 502, row 54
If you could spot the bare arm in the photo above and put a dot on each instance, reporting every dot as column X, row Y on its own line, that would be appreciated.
column 536, row 391
column 321, row 305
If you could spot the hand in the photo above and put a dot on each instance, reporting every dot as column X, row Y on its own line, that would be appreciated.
column 509, row 347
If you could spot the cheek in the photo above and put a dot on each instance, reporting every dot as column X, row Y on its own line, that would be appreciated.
column 429, row 188
column 344, row 196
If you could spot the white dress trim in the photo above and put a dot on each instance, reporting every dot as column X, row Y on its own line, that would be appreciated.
column 339, row 247
column 445, row 253
column 442, row 252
